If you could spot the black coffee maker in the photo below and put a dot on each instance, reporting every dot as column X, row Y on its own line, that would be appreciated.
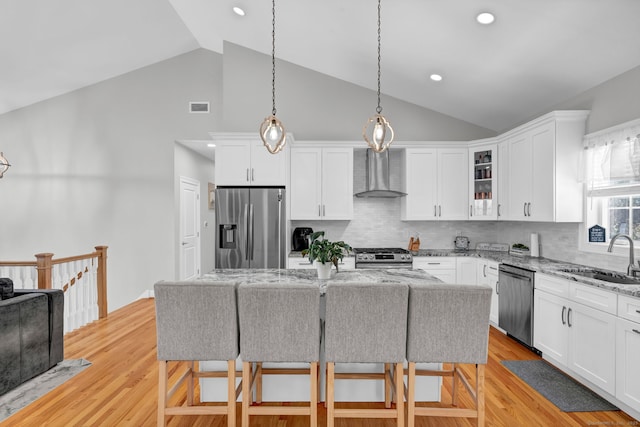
column 300, row 238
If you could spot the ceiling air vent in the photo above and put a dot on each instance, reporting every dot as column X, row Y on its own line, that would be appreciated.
column 198, row 107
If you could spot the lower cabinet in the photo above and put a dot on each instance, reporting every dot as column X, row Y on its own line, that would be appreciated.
column 574, row 335
column 487, row 274
column 444, row 268
column 466, row 270
column 628, row 351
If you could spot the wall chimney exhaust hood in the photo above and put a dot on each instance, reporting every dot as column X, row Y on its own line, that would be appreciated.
column 378, row 176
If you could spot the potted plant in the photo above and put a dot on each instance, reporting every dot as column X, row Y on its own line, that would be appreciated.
column 324, row 253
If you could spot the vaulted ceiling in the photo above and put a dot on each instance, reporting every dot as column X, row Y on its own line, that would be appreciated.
column 535, row 55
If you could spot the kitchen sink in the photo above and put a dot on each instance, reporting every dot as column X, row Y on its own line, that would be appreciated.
column 606, row 276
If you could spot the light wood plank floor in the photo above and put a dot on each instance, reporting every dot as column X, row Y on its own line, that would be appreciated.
column 120, row 388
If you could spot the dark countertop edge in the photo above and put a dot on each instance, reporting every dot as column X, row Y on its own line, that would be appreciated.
column 538, row 264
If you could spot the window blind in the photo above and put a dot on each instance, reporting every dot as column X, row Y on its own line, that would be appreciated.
column 612, row 160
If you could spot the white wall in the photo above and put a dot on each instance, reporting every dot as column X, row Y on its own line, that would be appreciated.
column 95, row 167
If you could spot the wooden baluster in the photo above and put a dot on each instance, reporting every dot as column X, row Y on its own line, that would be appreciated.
column 44, row 270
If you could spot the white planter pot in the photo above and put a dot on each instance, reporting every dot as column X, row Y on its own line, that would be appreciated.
column 324, row 270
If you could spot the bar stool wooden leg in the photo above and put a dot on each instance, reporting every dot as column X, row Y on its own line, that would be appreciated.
column 162, row 391
column 313, row 380
column 387, row 385
column 480, row 391
column 246, row 392
column 231, row 393
column 190, row 387
column 399, row 380
column 411, row 395
column 330, row 396
column 259, row 382
column 454, row 385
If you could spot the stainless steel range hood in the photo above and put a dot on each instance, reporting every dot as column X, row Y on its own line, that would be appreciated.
column 378, row 176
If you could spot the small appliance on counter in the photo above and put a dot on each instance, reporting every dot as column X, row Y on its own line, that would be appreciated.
column 300, row 238
column 461, row 243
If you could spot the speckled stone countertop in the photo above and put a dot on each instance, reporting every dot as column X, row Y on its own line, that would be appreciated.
column 292, row 276
column 552, row 267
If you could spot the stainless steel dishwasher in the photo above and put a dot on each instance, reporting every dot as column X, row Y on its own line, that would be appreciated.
column 515, row 303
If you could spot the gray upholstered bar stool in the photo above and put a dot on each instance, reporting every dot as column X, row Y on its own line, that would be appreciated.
column 366, row 323
column 196, row 321
column 278, row 323
column 448, row 324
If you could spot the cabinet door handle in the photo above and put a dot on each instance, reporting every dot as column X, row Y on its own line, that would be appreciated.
column 319, row 211
column 564, row 309
column 529, row 209
column 636, row 331
column 470, row 210
column 324, row 213
column 637, row 311
column 247, row 174
column 435, row 210
column 484, row 270
column 569, row 317
column 497, row 287
column 524, row 208
column 433, row 263
column 499, row 214
column 439, row 210
column 252, row 178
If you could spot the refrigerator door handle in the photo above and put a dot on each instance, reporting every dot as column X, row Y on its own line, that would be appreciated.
column 246, row 223
column 250, row 233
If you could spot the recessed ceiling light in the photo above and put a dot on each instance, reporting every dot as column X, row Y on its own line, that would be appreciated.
column 485, row 18
column 211, row 145
column 435, row 77
column 238, row 10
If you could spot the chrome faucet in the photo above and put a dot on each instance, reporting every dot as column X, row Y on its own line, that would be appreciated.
column 632, row 270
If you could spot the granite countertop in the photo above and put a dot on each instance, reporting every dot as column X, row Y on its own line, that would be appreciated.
column 310, row 276
column 561, row 269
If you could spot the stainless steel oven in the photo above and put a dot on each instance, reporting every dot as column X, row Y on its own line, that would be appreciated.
column 383, row 258
column 515, row 303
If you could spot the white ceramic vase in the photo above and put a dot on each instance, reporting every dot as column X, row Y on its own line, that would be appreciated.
column 324, row 270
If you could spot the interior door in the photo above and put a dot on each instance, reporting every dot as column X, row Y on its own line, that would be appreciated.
column 189, row 228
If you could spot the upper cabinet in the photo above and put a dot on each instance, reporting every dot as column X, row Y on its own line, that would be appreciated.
column 483, row 188
column 321, row 183
column 436, row 183
column 243, row 160
column 543, row 169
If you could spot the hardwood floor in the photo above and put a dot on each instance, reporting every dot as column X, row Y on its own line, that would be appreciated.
column 120, row 388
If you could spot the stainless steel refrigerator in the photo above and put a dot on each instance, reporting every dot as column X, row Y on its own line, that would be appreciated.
column 250, row 227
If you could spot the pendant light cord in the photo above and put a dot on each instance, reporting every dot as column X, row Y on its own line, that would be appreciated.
column 273, row 57
column 379, row 108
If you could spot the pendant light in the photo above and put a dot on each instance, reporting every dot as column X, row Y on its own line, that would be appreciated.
column 381, row 128
column 4, row 164
column 271, row 130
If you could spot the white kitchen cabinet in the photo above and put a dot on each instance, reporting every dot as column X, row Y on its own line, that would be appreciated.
column 247, row 162
column 487, row 274
column 466, row 270
column 627, row 366
column 543, row 168
column 576, row 335
column 321, row 183
column 444, row 268
column 502, row 210
column 483, row 187
column 436, row 183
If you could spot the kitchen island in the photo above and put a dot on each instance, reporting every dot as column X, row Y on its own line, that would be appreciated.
column 282, row 388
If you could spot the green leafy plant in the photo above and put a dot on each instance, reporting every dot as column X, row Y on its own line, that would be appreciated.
column 325, row 251
column 520, row 246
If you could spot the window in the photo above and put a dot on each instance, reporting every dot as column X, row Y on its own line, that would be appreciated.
column 612, row 178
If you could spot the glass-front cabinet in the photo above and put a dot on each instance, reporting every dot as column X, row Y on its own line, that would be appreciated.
column 483, row 183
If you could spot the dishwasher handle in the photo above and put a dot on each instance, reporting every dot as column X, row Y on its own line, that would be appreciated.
column 515, row 276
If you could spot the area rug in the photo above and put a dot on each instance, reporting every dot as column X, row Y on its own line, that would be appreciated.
column 557, row 387
column 21, row 396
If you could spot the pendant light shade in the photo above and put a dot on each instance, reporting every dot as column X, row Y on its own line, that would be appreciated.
column 377, row 131
column 271, row 130
column 4, row 164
